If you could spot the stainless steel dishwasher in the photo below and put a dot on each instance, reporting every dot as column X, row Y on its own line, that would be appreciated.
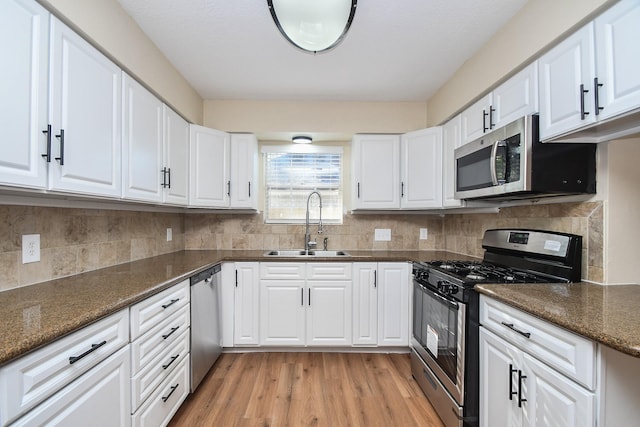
column 206, row 337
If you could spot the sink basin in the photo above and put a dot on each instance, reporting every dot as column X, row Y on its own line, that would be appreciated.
column 302, row 253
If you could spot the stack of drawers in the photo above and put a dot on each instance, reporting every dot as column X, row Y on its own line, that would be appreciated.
column 160, row 370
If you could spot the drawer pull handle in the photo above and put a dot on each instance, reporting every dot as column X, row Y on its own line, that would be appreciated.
column 514, row 329
column 173, row 388
column 94, row 347
column 173, row 359
column 165, row 336
column 173, row 301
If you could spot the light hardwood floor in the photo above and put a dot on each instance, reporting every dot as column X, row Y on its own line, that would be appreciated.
column 308, row 389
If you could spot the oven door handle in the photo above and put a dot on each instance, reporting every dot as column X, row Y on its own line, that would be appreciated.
column 450, row 302
column 494, row 156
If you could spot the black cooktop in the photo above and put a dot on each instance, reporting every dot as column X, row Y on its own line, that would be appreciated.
column 470, row 272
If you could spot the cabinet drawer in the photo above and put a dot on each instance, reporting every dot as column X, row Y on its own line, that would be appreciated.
column 282, row 270
column 565, row 351
column 329, row 271
column 31, row 379
column 162, row 405
column 148, row 313
column 152, row 374
column 156, row 341
column 102, row 393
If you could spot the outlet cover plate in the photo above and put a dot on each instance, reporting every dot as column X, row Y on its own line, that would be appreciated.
column 169, row 234
column 30, row 248
column 383, row 234
column 424, row 233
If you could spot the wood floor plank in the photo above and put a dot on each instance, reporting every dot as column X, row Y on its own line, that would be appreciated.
column 308, row 389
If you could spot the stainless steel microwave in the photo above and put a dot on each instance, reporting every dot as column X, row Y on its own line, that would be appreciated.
column 511, row 163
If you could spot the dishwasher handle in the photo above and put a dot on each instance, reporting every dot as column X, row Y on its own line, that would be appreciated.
column 205, row 275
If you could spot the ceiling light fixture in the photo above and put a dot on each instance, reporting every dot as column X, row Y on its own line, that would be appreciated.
column 302, row 139
column 313, row 26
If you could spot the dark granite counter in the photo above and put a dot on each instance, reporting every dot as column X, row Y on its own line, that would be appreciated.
column 606, row 314
column 35, row 315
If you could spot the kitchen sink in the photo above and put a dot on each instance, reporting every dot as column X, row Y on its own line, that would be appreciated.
column 302, row 253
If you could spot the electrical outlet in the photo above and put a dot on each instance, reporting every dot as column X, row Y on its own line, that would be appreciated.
column 424, row 233
column 383, row 234
column 169, row 234
column 30, row 248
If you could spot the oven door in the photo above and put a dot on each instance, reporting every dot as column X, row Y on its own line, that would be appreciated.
column 439, row 332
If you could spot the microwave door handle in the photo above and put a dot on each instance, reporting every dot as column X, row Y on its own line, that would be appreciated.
column 494, row 155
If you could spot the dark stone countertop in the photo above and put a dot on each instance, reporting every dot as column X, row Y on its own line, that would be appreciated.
column 606, row 314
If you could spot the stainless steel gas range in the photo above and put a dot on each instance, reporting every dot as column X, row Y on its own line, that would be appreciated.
column 445, row 357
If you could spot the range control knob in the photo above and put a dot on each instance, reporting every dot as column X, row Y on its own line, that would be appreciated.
column 447, row 288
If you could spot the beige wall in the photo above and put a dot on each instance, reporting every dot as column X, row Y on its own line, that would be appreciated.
column 622, row 226
column 538, row 24
column 341, row 118
column 117, row 34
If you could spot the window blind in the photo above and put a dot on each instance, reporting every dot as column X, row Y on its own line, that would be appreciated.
column 289, row 179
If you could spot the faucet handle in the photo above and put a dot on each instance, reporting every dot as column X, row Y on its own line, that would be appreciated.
column 312, row 243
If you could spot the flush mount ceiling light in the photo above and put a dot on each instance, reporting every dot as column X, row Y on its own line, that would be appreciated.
column 301, row 139
column 313, row 25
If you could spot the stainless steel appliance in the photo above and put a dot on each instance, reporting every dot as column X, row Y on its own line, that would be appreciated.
column 206, row 336
column 512, row 163
column 444, row 357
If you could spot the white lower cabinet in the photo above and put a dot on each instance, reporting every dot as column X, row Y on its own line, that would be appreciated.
column 246, row 313
column 100, row 397
column 517, row 388
column 282, row 312
column 329, row 312
column 365, row 303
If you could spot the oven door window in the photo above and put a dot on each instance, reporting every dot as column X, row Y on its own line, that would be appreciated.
column 440, row 331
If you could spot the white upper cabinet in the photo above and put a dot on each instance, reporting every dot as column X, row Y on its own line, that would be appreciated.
column 209, row 181
column 591, row 76
column 450, row 141
column 85, row 98
column 244, row 170
column 421, row 168
column 176, row 158
column 513, row 99
column 24, row 41
column 141, row 143
column 477, row 119
column 376, row 171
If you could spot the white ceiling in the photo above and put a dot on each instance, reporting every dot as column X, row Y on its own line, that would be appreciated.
column 396, row 50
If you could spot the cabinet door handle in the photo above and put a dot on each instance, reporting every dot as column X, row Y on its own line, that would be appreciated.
column 61, row 138
column 375, row 278
column 94, row 347
column 596, row 95
column 514, row 329
column 491, row 124
column 169, row 180
column 511, row 372
column 520, row 379
column 47, row 155
column 583, row 113
column 163, row 171
column 173, row 359
column 402, row 189
column 173, row 388
column 236, row 278
column 173, row 301
column 358, row 190
column 309, row 297
column 484, row 121
column 229, row 188
column 249, row 188
column 165, row 336
column 302, row 297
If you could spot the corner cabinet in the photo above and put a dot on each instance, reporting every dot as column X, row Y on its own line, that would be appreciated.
column 592, row 75
column 223, row 169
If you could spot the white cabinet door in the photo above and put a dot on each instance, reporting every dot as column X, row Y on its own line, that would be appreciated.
column 24, row 42
column 618, row 57
column 393, row 304
column 450, row 141
column 517, row 97
column 565, row 72
column 329, row 312
column 176, row 158
column 376, row 172
column 365, row 303
column 247, row 304
column 552, row 396
column 86, row 114
column 477, row 119
column 141, row 143
column 499, row 364
column 244, row 170
column 209, row 167
column 282, row 312
column 421, row 167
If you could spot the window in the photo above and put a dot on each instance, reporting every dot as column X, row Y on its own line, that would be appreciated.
column 291, row 173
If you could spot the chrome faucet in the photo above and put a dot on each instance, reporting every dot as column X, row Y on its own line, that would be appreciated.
column 308, row 243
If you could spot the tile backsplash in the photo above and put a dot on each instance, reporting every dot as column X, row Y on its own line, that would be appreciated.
column 77, row 240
